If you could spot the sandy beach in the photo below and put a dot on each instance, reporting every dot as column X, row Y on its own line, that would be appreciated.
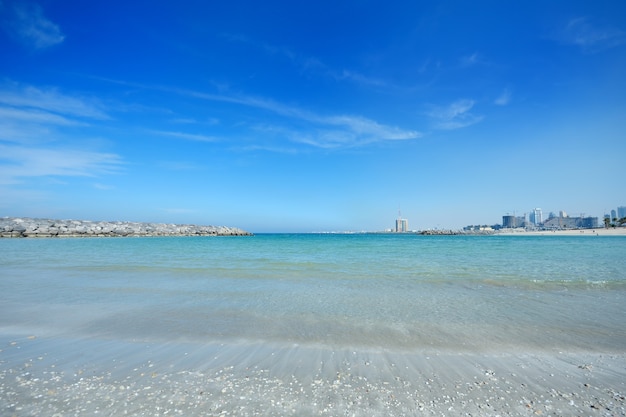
column 47, row 378
column 616, row 231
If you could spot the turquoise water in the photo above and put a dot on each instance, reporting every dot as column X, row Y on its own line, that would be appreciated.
column 397, row 292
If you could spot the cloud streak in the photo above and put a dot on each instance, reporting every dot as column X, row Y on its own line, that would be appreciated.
column 26, row 22
column 323, row 131
column 185, row 136
column 309, row 65
column 456, row 115
column 35, row 125
column 19, row 162
column 504, row 98
column 30, row 115
column 52, row 101
column 470, row 60
column 34, row 116
column 591, row 38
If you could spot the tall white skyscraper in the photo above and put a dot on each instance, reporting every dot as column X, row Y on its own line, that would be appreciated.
column 536, row 217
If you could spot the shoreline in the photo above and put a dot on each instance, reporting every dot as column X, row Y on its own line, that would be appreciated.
column 613, row 231
column 40, row 376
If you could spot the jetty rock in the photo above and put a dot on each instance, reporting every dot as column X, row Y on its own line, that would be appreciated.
column 31, row 227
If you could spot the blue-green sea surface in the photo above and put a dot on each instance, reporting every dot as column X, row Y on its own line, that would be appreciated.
column 381, row 291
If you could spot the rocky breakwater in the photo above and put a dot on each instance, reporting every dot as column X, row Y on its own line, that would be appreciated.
column 28, row 227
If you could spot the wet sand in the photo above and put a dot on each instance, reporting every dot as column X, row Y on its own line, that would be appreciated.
column 64, row 377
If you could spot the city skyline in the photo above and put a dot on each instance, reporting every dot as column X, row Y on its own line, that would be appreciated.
column 538, row 217
column 532, row 218
column 288, row 117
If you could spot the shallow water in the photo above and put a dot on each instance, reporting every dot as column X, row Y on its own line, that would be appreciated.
column 309, row 325
column 405, row 292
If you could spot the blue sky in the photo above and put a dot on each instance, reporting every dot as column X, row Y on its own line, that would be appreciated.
column 318, row 116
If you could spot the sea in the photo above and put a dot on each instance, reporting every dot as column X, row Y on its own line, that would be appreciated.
column 272, row 302
column 372, row 290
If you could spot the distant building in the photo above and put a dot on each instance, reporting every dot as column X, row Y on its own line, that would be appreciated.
column 613, row 214
column 621, row 212
column 562, row 221
column 571, row 223
column 589, row 222
column 511, row 222
column 536, row 217
column 402, row 225
column 508, row 221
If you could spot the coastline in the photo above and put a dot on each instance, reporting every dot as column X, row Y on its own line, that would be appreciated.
column 612, row 231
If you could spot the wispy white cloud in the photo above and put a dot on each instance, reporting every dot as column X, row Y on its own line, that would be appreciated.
column 590, row 37
column 317, row 137
column 470, row 60
column 455, row 115
column 185, row 136
column 322, row 131
column 314, row 129
column 268, row 148
column 20, row 162
column 15, row 131
column 34, row 116
column 51, row 100
column 36, row 140
column 364, row 127
column 324, row 139
column 358, row 78
column 25, row 21
column 457, row 109
column 504, row 98
column 310, row 65
column 211, row 121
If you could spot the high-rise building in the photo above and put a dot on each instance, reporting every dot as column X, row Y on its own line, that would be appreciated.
column 509, row 221
column 613, row 214
column 402, row 225
column 621, row 212
column 536, row 216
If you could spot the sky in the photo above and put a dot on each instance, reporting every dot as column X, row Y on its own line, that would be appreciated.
column 286, row 116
